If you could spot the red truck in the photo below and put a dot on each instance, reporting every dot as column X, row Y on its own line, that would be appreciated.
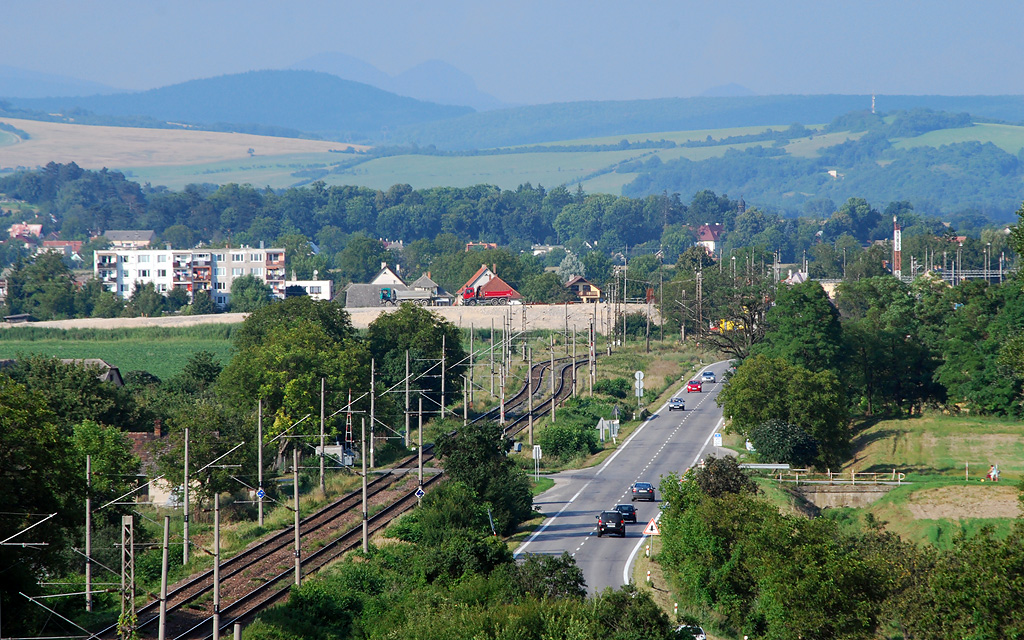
column 479, row 295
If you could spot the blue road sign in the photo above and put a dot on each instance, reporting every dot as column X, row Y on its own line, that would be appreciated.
column 420, row 492
column 261, row 493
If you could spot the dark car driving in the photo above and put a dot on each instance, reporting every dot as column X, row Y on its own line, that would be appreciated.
column 643, row 491
column 628, row 511
column 611, row 522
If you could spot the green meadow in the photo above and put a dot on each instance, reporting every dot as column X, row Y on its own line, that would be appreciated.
column 162, row 352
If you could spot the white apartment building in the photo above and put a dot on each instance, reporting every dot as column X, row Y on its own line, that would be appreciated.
column 212, row 270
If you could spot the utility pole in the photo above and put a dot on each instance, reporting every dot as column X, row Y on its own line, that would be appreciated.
column 366, row 525
column 373, row 407
column 492, row 356
column 529, row 391
column 216, row 566
column 259, row 458
column 419, row 454
column 574, row 361
column 184, row 553
column 295, row 498
column 88, row 533
column 472, row 361
column 591, row 360
column 323, row 391
column 501, row 401
column 162, row 630
column 552, row 378
column 127, row 578
column 465, row 401
column 406, row 399
column 443, row 366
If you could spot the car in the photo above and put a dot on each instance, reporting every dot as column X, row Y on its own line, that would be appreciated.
column 687, row 631
column 694, row 385
column 611, row 522
column 643, row 491
column 708, row 376
column 676, row 403
column 628, row 511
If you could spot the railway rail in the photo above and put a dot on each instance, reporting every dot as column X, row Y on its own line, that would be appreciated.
column 270, row 562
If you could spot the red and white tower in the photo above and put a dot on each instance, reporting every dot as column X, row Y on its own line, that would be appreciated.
column 897, row 268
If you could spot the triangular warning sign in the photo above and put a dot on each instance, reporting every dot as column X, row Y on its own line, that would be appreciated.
column 652, row 529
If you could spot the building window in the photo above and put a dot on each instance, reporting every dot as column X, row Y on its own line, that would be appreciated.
column 220, row 300
column 218, row 256
column 162, row 288
column 220, row 271
column 313, row 291
column 161, row 258
column 143, row 273
column 255, row 257
column 124, row 274
column 256, row 271
column 218, row 285
column 161, row 273
column 124, row 288
column 237, row 271
column 143, row 258
column 237, row 257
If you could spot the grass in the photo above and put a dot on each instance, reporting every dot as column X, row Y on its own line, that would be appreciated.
column 160, row 351
column 274, row 171
column 1009, row 138
column 541, row 485
column 941, row 445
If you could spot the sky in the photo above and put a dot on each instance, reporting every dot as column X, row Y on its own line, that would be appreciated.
column 529, row 51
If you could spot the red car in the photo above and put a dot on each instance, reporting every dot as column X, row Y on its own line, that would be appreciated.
column 694, row 385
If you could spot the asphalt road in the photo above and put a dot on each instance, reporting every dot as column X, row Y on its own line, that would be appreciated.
column 666, row 442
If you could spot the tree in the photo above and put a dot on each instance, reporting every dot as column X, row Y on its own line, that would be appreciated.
column 551, row 577
column 570, row 266
column 478, row 456
column 720, row 476
column 329, row 316
column 43, row 287
column 422, row 334
column 803, row 328
column 145, row 301
column 547, row 288
column 202, row 304
column 249, row 293
column 782, row 442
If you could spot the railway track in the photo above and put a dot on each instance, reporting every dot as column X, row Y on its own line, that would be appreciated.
column 263, row 573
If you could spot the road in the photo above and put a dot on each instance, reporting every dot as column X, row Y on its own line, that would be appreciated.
column 667, row 442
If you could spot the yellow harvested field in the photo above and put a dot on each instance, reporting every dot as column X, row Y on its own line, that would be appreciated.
column 953, row 503
column 97, row 147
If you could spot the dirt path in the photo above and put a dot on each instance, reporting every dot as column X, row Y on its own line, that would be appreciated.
column 523, row 317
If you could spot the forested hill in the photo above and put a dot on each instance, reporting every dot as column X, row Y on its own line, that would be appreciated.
column 574, row 120
column 303, row 100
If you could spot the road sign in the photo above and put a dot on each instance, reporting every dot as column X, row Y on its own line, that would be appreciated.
column 420, row 492
column 639, row 386
column 537, row 453
column 639, row 375
column 652, row 529
column 260, row 493
column 718, row 439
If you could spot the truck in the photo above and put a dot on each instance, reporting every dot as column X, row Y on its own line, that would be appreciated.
column 393, row 296
column 477, row 295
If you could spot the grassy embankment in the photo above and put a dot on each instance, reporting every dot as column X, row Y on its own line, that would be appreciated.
column 160, row 351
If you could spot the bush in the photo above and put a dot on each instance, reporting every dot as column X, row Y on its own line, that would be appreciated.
column 616, row 387
column 568, row 441
column 782, row 442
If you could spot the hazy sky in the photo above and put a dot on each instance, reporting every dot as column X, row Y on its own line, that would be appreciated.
column 527, row 51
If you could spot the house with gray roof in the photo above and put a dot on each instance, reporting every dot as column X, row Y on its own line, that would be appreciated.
column 130, row 239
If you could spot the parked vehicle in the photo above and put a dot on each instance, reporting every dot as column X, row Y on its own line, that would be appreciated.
column 694, row 385
column 708, row 376
column 676, row 404
column 611, row 522
column 471, row 295
column 687, row 631
column 392, row 296
column 643, row 491
column 628, row 511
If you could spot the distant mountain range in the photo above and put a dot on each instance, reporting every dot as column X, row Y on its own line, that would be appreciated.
column 33, row 84
column 432, row 81
column 302, row 100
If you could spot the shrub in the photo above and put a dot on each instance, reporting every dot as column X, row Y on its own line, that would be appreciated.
column 783, row 442
column 568, row 441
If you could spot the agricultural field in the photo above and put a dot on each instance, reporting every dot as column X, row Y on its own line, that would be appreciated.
column 1009, row 138
column 261, row 171
column 95, row 147
column 7, row 139
column 162, row 352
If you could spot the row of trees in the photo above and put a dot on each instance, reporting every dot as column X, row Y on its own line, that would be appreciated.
column 735, row 559
column 55, row 413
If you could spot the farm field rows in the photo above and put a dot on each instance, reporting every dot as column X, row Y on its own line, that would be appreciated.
column 1009, row 138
